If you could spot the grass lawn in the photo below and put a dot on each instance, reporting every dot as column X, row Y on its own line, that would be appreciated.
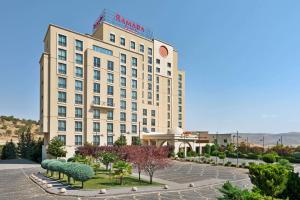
column 102, row 180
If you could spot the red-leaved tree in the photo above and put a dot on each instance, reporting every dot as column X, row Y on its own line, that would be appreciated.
column 155, row 158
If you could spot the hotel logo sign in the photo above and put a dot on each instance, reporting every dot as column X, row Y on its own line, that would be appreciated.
column 122, row 22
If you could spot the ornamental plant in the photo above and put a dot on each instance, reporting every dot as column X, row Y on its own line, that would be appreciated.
column 82, row 173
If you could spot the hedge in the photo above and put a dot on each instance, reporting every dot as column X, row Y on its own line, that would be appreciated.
column 78, row 171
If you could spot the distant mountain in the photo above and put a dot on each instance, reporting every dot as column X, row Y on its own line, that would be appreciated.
column 290, row 138
column 11, row 127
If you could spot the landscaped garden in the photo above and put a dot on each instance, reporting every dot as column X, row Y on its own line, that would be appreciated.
column 95, row 167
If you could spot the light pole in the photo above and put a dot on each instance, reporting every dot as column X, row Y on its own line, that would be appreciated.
column 263, row 141
column 237, row 149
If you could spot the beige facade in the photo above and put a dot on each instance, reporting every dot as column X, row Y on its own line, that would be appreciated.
column 93, row 88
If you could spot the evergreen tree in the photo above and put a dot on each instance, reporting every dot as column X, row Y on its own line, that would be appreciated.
column 9, row 151
column 121, row 141
column 55, row 148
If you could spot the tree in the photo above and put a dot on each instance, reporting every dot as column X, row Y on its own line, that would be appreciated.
column 269, row 179
column 121, row 141
column 292, row 190
column 222, row 156
column 122, row 168
column 285, row 163
column 107, row 158
column 155, row 158
column 9, row 151
column 270, row 157
column 55, row 148
column 231, row 192
column 82, row 173
column 136, row 156
column 207, row 149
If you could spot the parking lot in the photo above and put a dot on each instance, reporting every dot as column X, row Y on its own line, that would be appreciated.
column 15, row 184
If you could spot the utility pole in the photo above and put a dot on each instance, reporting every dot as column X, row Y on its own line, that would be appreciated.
column 237, row 149
column 199, row 146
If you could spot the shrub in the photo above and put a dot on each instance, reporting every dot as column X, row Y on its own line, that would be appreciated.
column 68, row 169
column 191, row 154
column 269, row 157
column 71, row 159
column 253, row 156
column 82, row 172
column 215, row 153
column 180, row 154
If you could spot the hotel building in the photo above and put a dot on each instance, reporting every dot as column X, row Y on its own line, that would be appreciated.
column 118, row 80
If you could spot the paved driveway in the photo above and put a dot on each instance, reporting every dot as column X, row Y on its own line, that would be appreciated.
column 15, row 184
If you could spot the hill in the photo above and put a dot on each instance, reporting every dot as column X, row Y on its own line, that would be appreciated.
column 290, row 138
column 11, row 127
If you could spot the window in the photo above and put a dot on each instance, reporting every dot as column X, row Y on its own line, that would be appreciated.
column 179, row 108
column 110, row 101
column 62, row 97
column 152, row 122
column 133, row 129
column 157, row 79
column 180, row 77
column 62, row 40
column 62, row 138
column 122, row 41
column 110, row 115
column 96, row 114
column 97, row 62
column 132, row 44
column 123, row 81
column 145, row 129
column 149, row 51
column 134, row 73
column 180, row 93
column 112, row 37
column 157, row 69
column 157, row 88
column 110, row 90
column 149, row 95
column 134, row 95
column 134, row 61
column 141, row 48
column 96, row 140
column 180, row 124
column 78, row 112
column 149, row 60
column 179, row 100
column 169, row 124
column 110, row 127
column 61, row 125
column 62, row 110
column 123, row 93
column 96, row 127
column 153, row 113
column 180, row 116
column 78, row 140
column 144, row 121
column 157, row 97
column 96, row 75
column 149, row 86
column 62, row 68
column 110, row 140
column 150, row 77
column 179, row 85
column 96, row 100
column 169, row 82
column 110, row 65
column 62, row 54
column 102, row 50
column 123, row 58
column 133, row 106
column 123, row 104
column 149, row 68
column 78, row 85
column 78, row 126
column 62, row 82
column 78, row 45
column 169, row 73
column 169, row 64
column 122, row 128
column 79, row 72
column 96, row 87
column 152, row 129
column 134, row 84
column 145, row 112
column 78, row 58
column 157, row 61
column 78, row 99
column 134, row 117
column 110, row 78
column 122, row 116
column 123, row 70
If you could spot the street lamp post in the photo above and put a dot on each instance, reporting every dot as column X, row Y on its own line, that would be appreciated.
column 237, row 149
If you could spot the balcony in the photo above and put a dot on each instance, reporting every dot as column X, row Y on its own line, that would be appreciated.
column 103, row 104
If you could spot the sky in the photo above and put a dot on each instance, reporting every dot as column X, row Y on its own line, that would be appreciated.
column 241, row 58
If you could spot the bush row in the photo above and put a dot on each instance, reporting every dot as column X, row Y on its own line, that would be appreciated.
column 77, row 171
